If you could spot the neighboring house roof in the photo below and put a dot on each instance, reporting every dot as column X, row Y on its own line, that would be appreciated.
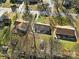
column 20, row 27
column 1, row 13
column 42, row 28
column 66, row 30
column 23, row 26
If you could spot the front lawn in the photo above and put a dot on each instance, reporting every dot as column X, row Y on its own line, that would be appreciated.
column 43, row 19
column 67, row 44
column 62, row 21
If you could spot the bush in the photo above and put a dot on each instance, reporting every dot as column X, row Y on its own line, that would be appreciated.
column 63, row 21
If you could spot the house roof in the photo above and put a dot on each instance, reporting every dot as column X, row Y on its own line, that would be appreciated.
column 2, row 12
column 42, row 26
column 23, row 26
column 65, row 30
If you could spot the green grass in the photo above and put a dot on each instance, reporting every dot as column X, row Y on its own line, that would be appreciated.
column 43, row 19
column 44, row 37
column 62, row 21
column 67, row 44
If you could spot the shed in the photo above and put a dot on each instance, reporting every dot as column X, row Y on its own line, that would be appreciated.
column 42, row 28
column 66, row 33
column 21, row 26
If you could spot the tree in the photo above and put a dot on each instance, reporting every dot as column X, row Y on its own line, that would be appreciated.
column 27, row 16
column 76, row 4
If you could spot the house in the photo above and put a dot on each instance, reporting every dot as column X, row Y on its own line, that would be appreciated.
column 42, row 28
column 66, row 33
column 20, row 27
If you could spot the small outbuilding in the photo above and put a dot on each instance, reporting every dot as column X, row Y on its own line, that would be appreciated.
column 21, row 27
column 42, row 28
column 66, row 33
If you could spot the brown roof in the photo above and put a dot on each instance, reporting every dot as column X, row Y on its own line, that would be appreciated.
column 23, row 26
column 65, row 31
column 20, row 26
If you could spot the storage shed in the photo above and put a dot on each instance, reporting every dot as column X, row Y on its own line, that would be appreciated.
column 66, row 33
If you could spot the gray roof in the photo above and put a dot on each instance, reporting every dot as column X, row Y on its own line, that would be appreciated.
column 2, row 12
